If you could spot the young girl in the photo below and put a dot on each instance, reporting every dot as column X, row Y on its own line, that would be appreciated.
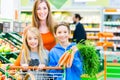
column 33, row 53
column 62, row 32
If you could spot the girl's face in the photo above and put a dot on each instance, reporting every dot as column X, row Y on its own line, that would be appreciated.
column 42, row 11
column 62, row 34
column 32, row 40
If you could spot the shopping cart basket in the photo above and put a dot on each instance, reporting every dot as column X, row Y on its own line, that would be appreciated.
column 35, row 73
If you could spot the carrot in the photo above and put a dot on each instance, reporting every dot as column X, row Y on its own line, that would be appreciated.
column 64, row 58
column 67, row 60
column 70, row 61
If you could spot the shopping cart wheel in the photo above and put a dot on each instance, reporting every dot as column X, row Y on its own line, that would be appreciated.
column 29, row 75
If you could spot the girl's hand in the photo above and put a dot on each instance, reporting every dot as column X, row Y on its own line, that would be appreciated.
column 41, row 66
column 25, row 66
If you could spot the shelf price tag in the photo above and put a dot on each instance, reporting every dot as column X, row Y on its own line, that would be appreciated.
column 111, row 10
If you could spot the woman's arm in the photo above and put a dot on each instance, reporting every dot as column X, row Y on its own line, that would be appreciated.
column 17, row 62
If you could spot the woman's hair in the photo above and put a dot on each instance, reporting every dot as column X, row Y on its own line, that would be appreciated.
column 26, row 48
column 36, row 20
column 61, row 24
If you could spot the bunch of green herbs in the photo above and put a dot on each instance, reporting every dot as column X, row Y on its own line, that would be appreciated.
column 91, row 62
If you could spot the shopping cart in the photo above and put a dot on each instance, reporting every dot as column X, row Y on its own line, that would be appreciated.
column 35, row 73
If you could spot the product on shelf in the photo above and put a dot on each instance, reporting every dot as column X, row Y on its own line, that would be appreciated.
column 111, row 23
column 8, row 49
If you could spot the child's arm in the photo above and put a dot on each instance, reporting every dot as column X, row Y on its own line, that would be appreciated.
column 77, row 64
column 22, row 60
column 53, row 61
column 17, row 62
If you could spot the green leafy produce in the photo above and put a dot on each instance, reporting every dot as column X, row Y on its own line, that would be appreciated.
column 90, row 57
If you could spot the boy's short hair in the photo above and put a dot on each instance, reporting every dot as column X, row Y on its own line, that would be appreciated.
column 61, row 24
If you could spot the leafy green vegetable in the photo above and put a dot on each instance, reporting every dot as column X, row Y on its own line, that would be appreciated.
column 91, row 62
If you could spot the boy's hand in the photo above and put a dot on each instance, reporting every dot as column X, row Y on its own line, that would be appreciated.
column 74, row 49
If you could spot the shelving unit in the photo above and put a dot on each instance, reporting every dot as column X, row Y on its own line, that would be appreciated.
column 111, row 23
column 91, row 19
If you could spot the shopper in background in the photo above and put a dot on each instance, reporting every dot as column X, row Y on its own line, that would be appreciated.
column 79, row 33
column 62, row 32
column 42, row 19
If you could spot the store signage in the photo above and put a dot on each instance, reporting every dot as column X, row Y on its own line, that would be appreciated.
column 27, row 3
column 115, row 3
column 58, row 3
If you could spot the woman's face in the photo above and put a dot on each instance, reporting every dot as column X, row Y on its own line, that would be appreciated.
column 42, row 11
column 62, row 34
column 32, row 40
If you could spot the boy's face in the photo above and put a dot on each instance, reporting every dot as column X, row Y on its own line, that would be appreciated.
column 32, row 40
column 62, row 34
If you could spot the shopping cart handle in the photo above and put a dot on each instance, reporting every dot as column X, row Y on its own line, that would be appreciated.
column 12, row 67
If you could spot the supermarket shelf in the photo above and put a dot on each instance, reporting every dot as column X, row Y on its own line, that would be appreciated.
column 3, row 72
column 118, row 45
column 13, row 36
column 115, row 13
column 4, row 59
column 113, row 71
column 89, row 37
column 114, row 38
column 113, row 30
column 11, row 43
column 110, row 52
column 112, row 23
column 113, row 64
column 92, row 29
column 92, row 37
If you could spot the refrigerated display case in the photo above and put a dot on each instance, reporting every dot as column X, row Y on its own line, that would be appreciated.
column 111, row 23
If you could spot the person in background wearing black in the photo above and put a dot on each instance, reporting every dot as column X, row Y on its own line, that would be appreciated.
column 79, row 33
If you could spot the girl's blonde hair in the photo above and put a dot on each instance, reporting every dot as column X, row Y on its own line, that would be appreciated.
column 26, row 48
column 36, row 20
